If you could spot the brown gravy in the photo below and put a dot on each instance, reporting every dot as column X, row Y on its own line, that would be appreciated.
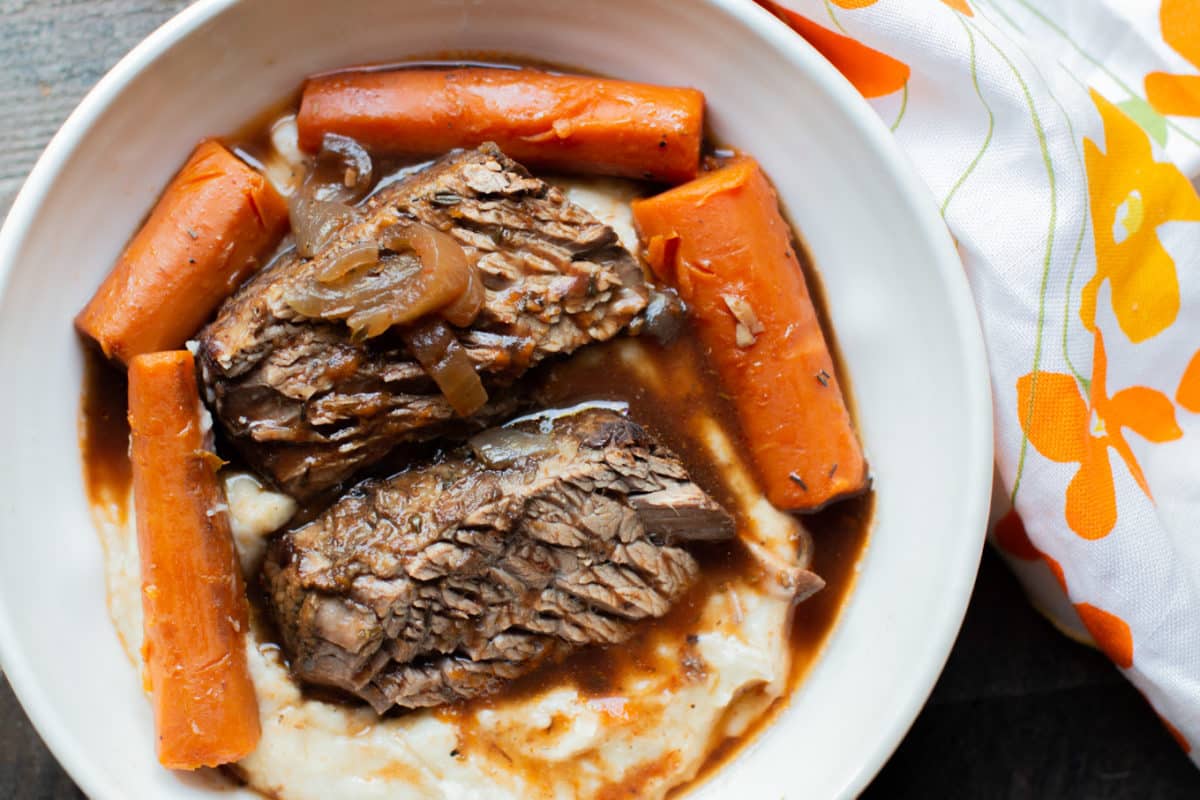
column 104, row 437
column 686, row 386
column 665, row 407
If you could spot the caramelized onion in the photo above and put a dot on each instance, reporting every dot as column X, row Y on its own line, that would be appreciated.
column 437, row 250
column 357, row 256
column 415, row 270
column 501, row 447
column 366, row 298
column 315, row 222
column 445, row 273
column 321, row 207
column 462, row 312
column 342, row 170
column 435, row 347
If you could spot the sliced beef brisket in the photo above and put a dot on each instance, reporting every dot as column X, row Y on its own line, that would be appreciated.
column 448, row 579
column 308, row 405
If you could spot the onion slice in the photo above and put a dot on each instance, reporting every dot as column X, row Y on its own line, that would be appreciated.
column 357, row 256
column 342, row 170
column 315, row 222
column 415, row 271
column 358, row 167
column 340, row 175
column 462, row 312
column 445, row 273
column 435, row 347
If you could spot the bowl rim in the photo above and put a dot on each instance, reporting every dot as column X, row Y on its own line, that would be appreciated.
column 943, row 628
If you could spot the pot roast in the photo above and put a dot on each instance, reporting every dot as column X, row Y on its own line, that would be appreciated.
column 444, row 581
column 308, row 404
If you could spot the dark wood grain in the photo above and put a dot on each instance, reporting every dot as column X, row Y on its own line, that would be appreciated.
column 51, row 53
column 27, row 770
column 1019, row 712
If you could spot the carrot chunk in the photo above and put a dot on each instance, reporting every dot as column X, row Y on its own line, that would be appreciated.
column 205, row 236
column 567, row 122
column 193, row 600
column 723, row 243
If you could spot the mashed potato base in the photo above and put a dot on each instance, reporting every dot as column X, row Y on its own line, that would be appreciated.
column 709, row 682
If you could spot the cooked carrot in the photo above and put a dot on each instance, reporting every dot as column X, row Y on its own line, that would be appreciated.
column 723, row 243
column 568, row 122
column 203, row 238
column 193, row 601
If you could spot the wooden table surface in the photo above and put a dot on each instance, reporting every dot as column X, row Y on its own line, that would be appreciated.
column 1019, row 712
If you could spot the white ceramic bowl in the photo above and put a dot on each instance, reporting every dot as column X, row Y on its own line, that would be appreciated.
column 899, row 301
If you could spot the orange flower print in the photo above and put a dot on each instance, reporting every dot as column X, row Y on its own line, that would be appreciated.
column 957, row 5
column 1067, row 428
column 873, row 73
column 1131, row 194
column 1178, row 94
column 1110, row 632
column 1010, row 535
column 960, row 6
column 1057, row 570
column 1188, row 393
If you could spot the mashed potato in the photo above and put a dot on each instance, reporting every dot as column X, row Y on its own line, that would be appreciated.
column 707, row 683
column 561, row 743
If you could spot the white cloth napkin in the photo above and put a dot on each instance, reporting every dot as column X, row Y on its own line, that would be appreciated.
column 1058, row 137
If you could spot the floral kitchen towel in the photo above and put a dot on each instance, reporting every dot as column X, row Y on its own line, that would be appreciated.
column 1058, row 138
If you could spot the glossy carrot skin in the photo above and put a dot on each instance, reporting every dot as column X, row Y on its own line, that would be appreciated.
column 205, row 236
column 722, row 236
column 193, row 600
column 566, row 122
